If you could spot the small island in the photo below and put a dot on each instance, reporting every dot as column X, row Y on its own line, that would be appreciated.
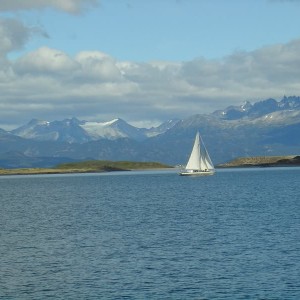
column 92, row 166
column 263, row 161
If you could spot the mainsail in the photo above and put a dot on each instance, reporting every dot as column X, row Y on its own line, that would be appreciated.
column 195, row 158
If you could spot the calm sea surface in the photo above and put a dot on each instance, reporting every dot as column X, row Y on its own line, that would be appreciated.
column 151, row 235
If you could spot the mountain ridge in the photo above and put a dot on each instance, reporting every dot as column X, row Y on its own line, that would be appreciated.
column 77, row 131
column 264, row 128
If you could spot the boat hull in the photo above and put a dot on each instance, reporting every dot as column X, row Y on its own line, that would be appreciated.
column 196, row 173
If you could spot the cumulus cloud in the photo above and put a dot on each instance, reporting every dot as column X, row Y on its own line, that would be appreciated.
column 46, row 61
column 50, row 84
column 97, row 66
column 69, row 6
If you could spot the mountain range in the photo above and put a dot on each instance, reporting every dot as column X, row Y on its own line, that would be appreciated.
column 265, row 128
column 76, row 131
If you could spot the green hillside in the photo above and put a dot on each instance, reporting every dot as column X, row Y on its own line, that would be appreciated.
column 107, row 165
column 91, row 166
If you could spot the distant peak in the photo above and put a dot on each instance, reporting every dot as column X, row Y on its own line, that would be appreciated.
column 38, row 122
column 246, row 105
column 112, row 121
column 102, row 124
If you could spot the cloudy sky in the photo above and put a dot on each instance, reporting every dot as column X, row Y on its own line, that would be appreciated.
column 143, row 61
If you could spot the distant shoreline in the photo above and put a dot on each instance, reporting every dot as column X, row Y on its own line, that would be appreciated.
column 263, row 161
column 88, row 167
column 242, row 162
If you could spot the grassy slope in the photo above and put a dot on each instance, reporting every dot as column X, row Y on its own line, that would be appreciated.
column 107, row 164
column 87, row 167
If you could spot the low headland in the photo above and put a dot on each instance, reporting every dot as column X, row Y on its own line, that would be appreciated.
column 263, row 161
column 99, row 166
column 92, row 166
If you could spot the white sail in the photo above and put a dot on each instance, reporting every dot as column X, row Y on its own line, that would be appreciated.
column 195, row 159
column 199, row 162
column 207, row 163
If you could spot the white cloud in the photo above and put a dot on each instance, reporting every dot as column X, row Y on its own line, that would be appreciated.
column 69, row 6
column 97, row 66
column 49, row 84
column 46, row 61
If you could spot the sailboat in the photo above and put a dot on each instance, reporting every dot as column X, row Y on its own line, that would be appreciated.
column 199, row 162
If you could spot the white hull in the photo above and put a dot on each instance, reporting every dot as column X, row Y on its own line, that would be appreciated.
column 196, row 173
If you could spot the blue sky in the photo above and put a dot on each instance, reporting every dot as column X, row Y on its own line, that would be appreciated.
column 176, row 30
column 143, row 61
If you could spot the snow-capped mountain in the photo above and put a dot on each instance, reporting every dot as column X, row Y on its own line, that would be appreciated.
column 281, row 117
column 76, row 131
column 164, row 127
column 258, row 109
column 111, row 130
column 68, row 130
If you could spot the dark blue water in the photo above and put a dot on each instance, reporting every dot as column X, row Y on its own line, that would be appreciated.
column 151, row 235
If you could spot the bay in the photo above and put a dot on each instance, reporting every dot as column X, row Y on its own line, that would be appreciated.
column 151, row 235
